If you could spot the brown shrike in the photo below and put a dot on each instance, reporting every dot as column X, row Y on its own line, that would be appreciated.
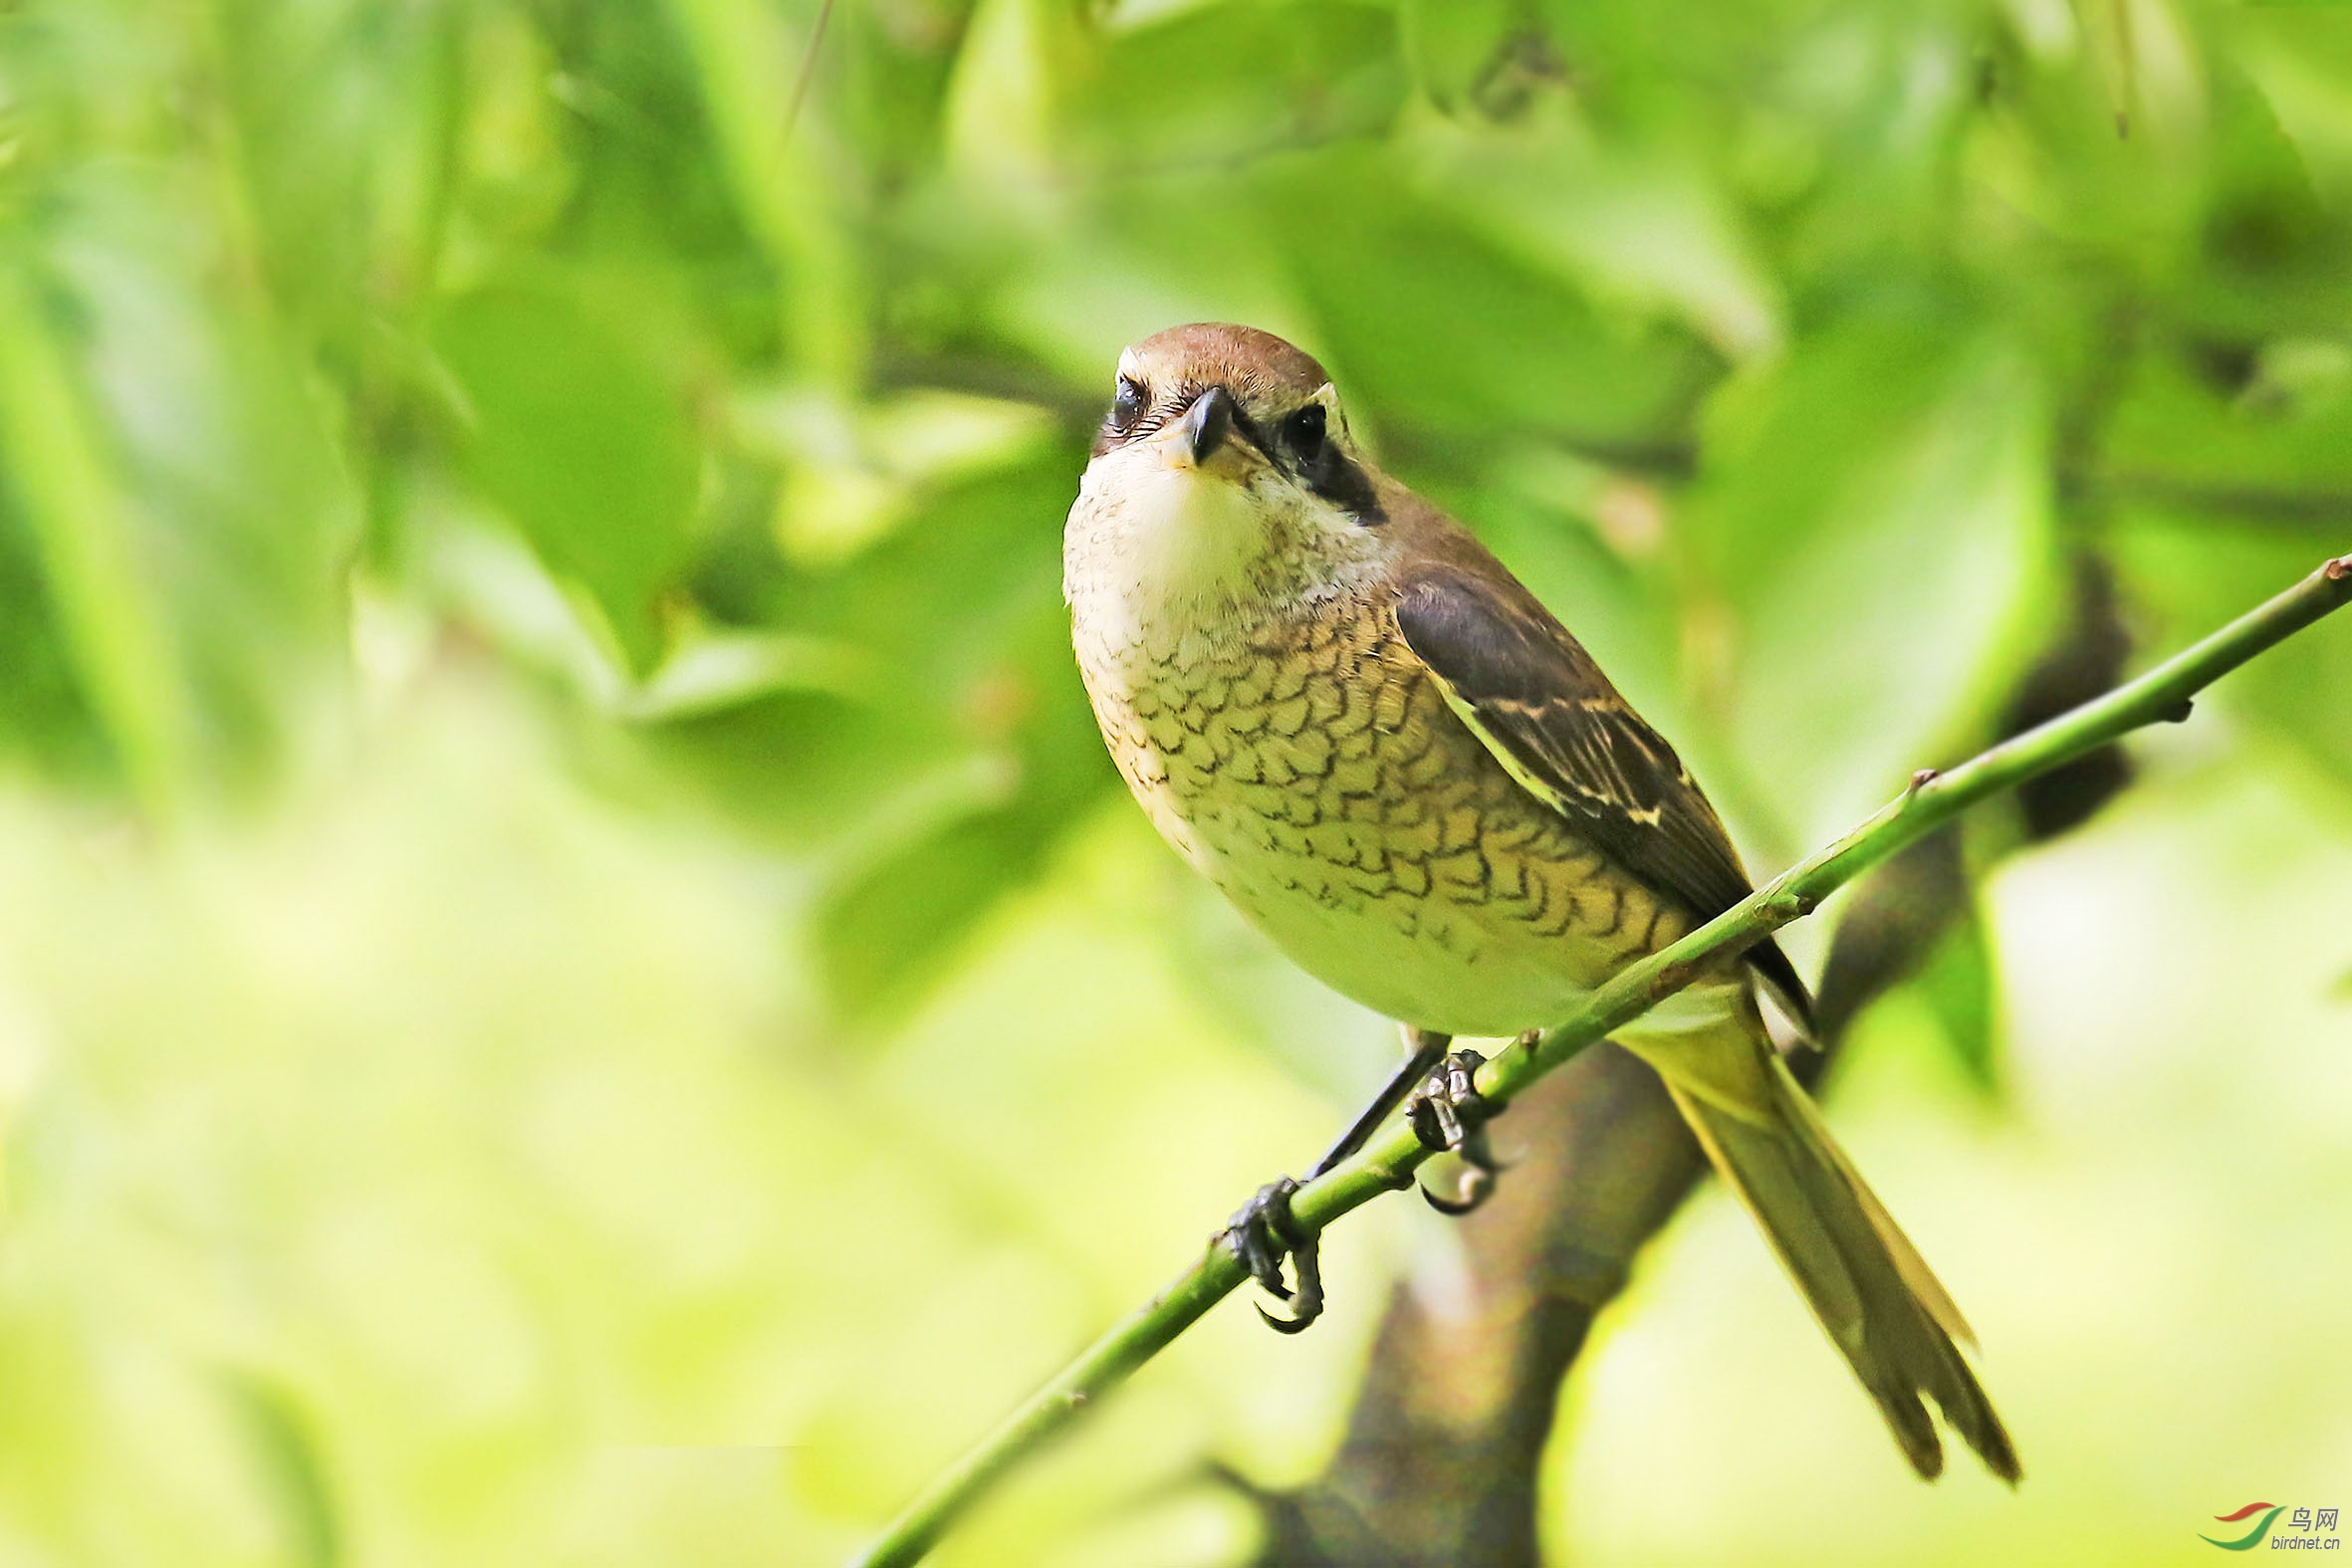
column 1341, row 710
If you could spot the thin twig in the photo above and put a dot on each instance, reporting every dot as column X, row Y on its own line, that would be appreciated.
column 807, row 71
column 2162, row 694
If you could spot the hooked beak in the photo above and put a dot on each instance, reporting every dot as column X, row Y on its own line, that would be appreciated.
column 1207, row 423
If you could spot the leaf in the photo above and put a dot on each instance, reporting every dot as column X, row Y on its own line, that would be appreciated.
column 855, row 470
column 286, row 1449
column 927, row 632
column 1873, row 520
column 1459, row 48
column 43, row 712
column 884, row 932
column 1017, row 63
column 2270, row 254
column 953, row 749
column 745, row 58
column 1643, row 237
column 1222, row 81
column 1958, row 986
column 2300, row 58
column 170, row 470
column 577, row 435
column 2183, row 421
column 88, row 593
column 1504, row 348
column 344, row 125
column 712, row 670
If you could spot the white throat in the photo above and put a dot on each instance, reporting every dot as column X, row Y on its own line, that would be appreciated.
column 1155, row 555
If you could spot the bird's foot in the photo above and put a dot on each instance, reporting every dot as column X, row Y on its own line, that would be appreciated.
column 1262, row 1235
column 1447, row 1113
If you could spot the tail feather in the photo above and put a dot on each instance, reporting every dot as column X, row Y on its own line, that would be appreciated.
column 1913, row 1267
column 1882, row 1307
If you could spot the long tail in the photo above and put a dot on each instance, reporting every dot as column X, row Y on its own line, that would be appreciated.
column 1860, row 1274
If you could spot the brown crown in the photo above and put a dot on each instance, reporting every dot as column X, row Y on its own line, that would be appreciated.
column 1243, row 359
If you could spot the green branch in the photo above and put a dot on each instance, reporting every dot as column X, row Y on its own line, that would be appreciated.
column 2161, row 694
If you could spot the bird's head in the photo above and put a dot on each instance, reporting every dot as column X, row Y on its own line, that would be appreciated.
column 1225, row 469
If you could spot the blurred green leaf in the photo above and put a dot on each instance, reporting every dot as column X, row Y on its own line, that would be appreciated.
column 1650, row 238
column 1958, row 986
column 285, row 1447
column 1873, row 518
column 782, row 193
column 1033, row 761
column 347, row 109
column 2300, row 57
column 78, row 519
column 1459, row 48
column 2272, row 252
column 854, row 470
column 1220, row 81
column 171, row 458
column 707, row 671
column 2277, row 418
column 44, row 717
column 1017, row 64
column 574, row 430
column 1502, row 348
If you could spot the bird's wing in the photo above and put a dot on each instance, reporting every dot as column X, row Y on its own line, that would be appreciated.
column 1538, row 701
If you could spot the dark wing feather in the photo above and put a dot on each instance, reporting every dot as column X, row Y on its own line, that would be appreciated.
column 1547, row 713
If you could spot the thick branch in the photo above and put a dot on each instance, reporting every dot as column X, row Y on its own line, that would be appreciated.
column 1387, row 1165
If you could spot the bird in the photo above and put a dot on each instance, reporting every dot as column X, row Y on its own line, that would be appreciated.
column 1341, row 709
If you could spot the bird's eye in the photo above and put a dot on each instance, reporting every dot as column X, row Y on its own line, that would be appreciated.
column 1127, row 407
column 1304, row 432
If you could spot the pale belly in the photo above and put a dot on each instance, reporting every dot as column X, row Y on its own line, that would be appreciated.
column 1344, row 810
column 1425, row 961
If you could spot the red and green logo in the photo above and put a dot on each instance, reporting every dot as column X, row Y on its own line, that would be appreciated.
column 2310, row 1528
column 2254, row 1537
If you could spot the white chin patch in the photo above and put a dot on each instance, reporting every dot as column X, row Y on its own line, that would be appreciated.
column 1197, row 535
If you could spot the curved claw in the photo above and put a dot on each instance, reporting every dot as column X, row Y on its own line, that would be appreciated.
column 1474, row 1190
column 1261, row 1237
column 1307, row 1301
column 1478, row 1186
column 1280, row 1325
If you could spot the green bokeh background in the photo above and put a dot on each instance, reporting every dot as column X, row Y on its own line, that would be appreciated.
column 576, row 987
